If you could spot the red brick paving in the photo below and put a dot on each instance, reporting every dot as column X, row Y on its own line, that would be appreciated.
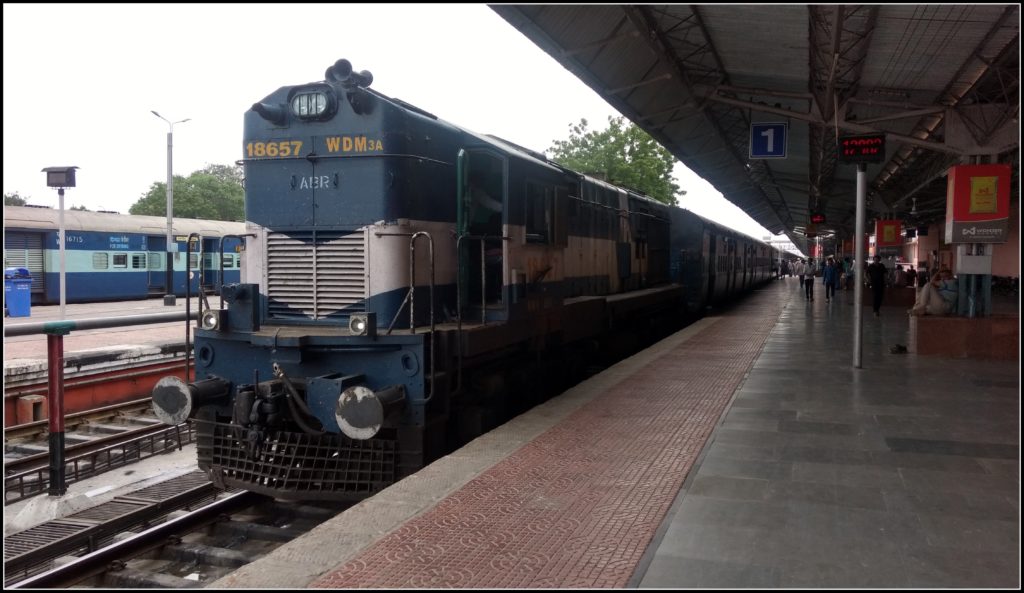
column 578, row 506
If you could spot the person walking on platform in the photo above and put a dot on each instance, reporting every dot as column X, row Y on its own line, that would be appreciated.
column 798, row 269
column 830, row 277
column 876, row 274
column 911, row 277
column 809, row 279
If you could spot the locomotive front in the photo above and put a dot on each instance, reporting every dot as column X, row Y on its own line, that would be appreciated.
column 302, row 390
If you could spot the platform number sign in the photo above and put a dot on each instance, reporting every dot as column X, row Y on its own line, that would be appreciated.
column 768, row 140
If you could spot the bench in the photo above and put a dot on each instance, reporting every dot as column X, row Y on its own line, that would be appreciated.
column 996, row 337
column 903, row 296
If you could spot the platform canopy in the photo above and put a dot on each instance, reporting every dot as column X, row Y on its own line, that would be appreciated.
column 714, row 84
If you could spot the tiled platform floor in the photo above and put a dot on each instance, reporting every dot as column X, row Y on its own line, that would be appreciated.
column 904, row 473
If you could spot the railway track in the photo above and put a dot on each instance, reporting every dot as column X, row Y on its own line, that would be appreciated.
column 97, row 441
column 146, row 540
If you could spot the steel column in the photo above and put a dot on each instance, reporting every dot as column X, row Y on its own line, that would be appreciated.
column 55, row 395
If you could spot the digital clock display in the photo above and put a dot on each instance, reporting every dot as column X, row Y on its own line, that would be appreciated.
column 868, row 148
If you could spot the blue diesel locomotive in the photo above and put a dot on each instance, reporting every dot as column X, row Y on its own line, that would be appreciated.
column 111, row 257
column 410, row 284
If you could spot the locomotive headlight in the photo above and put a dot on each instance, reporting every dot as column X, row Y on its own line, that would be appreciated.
column 309, row 105
column 363, row 324
column 210, row 320
column 313, row 102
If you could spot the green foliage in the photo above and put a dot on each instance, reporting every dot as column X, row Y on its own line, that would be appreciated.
column 624, row 155
column 82, row 208
column 14, row 199
column 214, row 192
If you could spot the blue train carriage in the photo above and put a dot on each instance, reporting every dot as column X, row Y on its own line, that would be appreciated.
column 714, row 263
column 110, row 256
column 398, row 267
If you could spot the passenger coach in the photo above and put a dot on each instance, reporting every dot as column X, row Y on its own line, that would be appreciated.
column 111, row 256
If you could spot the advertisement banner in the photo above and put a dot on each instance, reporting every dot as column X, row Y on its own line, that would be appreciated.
column 978, row 204
column 888, row 233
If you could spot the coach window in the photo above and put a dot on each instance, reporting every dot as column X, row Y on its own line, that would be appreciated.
column 538, row 213
column 100, row 261
column 138, row 261
column 120, row 260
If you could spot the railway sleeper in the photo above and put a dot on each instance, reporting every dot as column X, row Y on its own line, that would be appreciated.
column 205, row 555
column 257, row 531
column 75, row 438
column 314, row 513
column 27, row 448
column 128, row 577
column 102, row 428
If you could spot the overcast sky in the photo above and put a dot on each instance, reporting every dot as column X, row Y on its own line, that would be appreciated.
column 80, row 81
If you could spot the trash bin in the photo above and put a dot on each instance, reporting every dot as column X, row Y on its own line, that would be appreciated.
column 18, row 292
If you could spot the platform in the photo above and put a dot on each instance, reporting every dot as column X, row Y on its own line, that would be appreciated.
column 34, row 347
column 743, row 451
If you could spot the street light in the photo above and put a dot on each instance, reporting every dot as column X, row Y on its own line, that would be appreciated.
column 60, row 178
column 171, row 245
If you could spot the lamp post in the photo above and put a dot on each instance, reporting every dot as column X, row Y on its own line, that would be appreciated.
column 60, row 178
column 171, row 245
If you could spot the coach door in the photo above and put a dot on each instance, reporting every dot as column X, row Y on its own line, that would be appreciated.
column 25, row 250
column 156, row 265
column 748, row 264
column 714, row 266
column 731, row 265
column 481, row 223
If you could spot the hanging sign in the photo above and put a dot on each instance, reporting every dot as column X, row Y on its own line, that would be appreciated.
column 768, row 140
column 978, row 204
column 888, row 233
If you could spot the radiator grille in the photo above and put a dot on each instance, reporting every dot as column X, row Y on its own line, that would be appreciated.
column 316, row 274
column 296, row 466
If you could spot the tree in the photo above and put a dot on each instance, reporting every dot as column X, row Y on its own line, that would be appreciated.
column 82, row 208
column 14, row 199
column 623, row 155
column 213, row 192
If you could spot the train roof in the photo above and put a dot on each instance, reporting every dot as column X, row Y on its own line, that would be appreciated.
column 720, row 227
column 511, row 148
column 23, row 217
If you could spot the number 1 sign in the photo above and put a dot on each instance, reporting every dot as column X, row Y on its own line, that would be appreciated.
column 768, row 140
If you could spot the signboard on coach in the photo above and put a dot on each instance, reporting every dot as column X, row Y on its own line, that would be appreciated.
column 978, row 204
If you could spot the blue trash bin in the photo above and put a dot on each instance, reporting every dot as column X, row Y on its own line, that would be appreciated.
column 18, row 292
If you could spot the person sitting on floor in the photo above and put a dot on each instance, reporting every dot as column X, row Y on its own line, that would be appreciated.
column 938, row 297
